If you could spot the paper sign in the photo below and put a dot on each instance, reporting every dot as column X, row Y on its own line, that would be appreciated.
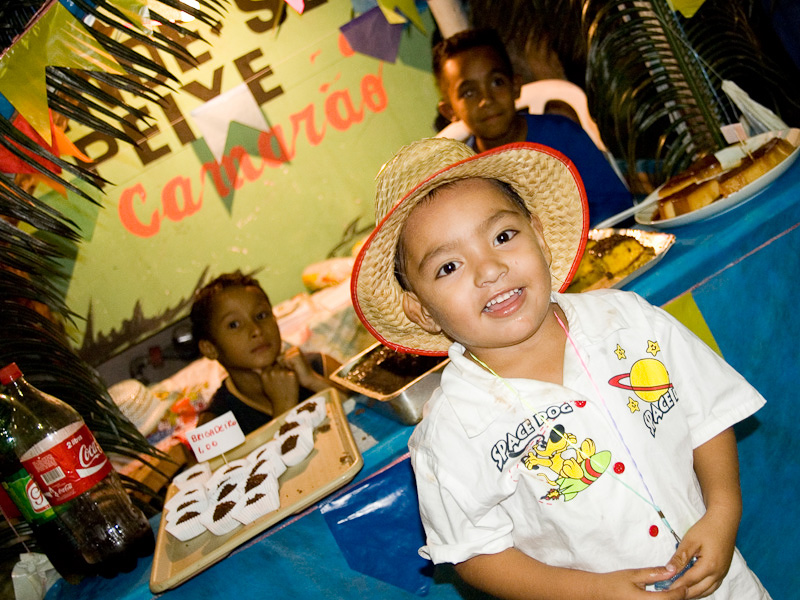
column 215, row 437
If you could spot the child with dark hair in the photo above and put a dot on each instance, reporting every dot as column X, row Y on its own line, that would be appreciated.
column 579, row 445
column 478, row 86
column 233, row 323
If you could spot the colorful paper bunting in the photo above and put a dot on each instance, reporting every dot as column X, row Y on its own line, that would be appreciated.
column 362, row 6
column 213, row 119
column 686, row 7
column 55, row 39
column 298, row 5
column 373, row 35
column 61, row 146
column 6, row 108
column 407, row 7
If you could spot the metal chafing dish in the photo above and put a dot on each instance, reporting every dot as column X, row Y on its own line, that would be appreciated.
column 394, row 384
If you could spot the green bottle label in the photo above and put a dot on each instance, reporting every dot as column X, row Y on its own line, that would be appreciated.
column 29, row 498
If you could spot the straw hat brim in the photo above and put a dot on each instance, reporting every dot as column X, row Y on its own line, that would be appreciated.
column 544, row 178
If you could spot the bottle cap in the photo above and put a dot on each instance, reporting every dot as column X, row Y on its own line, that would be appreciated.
column 10, row 373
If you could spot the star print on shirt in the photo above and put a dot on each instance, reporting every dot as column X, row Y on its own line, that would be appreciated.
column 620, row 352
column 653, row 347
column 633, row 405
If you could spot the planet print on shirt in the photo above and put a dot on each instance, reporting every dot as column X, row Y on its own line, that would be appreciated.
column 648, row 379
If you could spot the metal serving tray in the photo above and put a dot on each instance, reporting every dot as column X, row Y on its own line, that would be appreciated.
column 404, row 404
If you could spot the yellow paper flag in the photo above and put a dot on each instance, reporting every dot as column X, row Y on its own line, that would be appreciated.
column 57, row 39
column 134, row 11
column 407, row 7
column 686, row 7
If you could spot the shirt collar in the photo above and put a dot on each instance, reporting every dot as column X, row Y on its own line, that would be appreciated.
column 605, row 317
column 478, row 397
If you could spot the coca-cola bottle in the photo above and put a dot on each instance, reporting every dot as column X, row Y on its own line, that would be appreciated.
column 52, row 536
column 56, row 447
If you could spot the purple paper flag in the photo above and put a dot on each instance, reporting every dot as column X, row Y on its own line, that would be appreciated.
column 373, row 35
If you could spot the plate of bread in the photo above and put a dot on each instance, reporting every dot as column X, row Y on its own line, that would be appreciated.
column 719, row 181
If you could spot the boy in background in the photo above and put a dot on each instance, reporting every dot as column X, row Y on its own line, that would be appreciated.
column 232, row 321
column 478, row 86
column 580, row 445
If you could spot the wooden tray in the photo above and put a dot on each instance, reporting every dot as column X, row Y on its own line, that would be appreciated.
column 334, row 461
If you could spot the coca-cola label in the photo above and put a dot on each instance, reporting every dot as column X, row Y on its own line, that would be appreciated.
column 29, row 498
column 39, row 503
column 70, row 468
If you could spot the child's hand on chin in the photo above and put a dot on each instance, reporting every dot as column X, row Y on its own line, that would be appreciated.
column 296, row 361
column 281, row 386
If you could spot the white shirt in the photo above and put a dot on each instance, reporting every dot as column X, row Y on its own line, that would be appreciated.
column 574, row 475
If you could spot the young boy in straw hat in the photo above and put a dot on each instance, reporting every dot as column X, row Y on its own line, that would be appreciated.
column 580, row 445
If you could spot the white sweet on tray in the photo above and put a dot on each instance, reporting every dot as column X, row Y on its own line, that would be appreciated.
column 261, row 499
column 194, row 498
column 240, row 491
column 199, row 473
column 296, row 442
column 235, row 469
column 311, row 412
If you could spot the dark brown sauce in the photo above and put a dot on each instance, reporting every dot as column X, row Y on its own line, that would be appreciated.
column 385, row 371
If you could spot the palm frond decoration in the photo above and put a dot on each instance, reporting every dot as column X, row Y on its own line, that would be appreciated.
column 652, row 77
column 32, row 309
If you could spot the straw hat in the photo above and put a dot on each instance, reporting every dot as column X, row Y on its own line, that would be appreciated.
column 545, row 179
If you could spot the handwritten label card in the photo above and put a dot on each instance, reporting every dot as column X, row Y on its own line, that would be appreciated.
column 215, row 437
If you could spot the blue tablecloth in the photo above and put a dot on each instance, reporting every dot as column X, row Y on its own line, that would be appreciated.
column 740, row 268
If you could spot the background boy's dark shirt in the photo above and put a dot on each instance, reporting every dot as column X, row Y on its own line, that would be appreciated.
column 248, row 417
column 605, row 192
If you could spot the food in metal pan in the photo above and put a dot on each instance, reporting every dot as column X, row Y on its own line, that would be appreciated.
column 385, row 371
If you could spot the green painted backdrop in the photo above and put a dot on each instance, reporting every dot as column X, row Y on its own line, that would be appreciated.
column 172, row 218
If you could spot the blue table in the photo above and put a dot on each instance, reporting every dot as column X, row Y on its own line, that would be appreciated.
column 741, row 271
column 737, row 271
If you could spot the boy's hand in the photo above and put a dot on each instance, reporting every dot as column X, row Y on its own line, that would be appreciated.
column 631, row 583
column 713, row 538
column 712, row 541
column 281, row 385
column 513, row 575
column 295, row 360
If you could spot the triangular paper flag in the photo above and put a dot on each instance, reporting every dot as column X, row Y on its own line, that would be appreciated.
column 407, row 7
column 11, row 163
column 686, row 7
column 6, row 109
column 373, row 35
column 298, row 5
column 214, row 118
column 134, row 10
column 362, row 6
column 391, row 16
column 56, row 39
